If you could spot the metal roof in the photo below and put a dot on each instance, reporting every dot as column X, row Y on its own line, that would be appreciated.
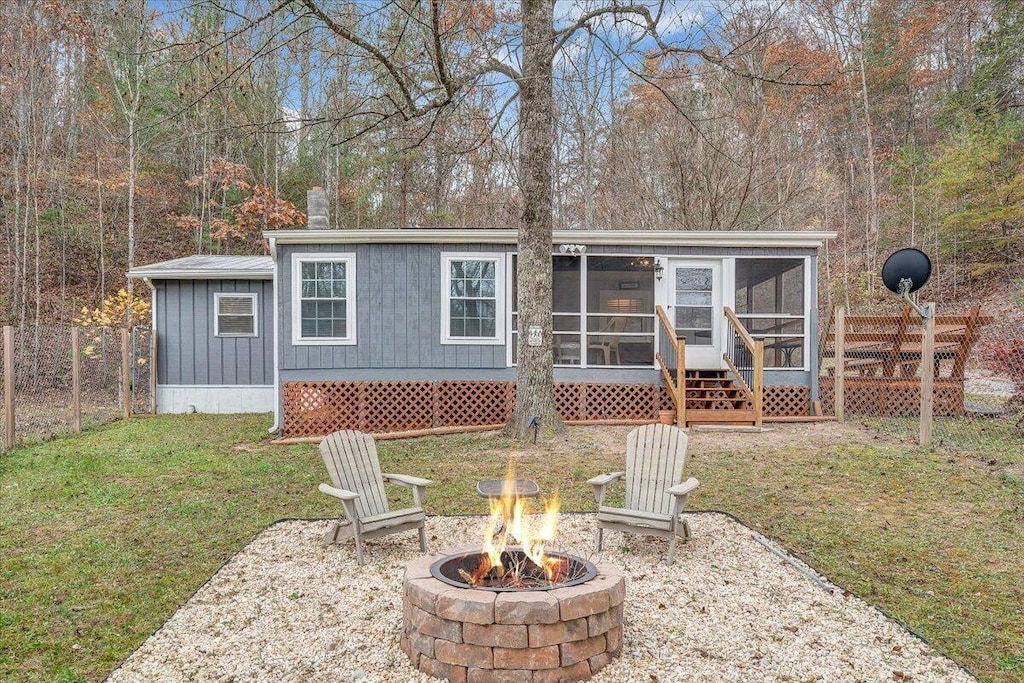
column 208, row 268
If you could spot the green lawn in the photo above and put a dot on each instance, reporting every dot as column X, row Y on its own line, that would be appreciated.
column 104, row 535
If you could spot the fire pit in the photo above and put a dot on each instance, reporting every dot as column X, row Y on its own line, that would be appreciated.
column 500, row 612
column 515, row 571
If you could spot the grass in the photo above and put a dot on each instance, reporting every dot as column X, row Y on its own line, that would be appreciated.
column 104, row 535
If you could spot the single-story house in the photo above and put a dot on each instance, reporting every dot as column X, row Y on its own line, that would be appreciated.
column 404, row 329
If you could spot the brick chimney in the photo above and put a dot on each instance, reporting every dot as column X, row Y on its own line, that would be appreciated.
column 316, row 209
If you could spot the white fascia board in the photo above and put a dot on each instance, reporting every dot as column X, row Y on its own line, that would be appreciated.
column 738, row 238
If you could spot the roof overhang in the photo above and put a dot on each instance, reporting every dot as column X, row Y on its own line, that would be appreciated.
column 209, row 267
column 158, row 274
column 669, row 238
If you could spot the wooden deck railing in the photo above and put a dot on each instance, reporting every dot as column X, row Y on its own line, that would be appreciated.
column 745, row 357
column 676, row 350
column 896, row 340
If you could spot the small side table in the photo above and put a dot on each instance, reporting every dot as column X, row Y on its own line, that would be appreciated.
column 493, row 488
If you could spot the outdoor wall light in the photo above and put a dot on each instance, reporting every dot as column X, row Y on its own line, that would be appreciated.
column 649, row 263
column 574, row 249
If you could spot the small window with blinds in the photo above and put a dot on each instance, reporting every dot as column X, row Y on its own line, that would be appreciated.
column 235, row 315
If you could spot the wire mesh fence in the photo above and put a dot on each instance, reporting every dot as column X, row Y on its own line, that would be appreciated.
column 143, row 362
column 877, row 366
column 60, row 379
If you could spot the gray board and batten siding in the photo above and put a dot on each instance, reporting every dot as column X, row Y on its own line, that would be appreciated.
column 197, row 370
column 398, row 317
column 188, row 353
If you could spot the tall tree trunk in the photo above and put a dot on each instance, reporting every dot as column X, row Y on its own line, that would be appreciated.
column 99, row 217
column 132, row 165
column 871, row 220
column 535, row 377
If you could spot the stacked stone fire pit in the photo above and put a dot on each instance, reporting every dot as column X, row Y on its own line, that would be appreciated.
column 476, row 634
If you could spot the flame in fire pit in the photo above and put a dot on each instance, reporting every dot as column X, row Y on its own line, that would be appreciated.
column 511, row 523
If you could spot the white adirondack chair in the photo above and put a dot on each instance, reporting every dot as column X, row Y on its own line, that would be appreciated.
column 351, row 460
column 656, row 494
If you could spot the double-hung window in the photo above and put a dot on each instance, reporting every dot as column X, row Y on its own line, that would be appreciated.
column 234, row 315
column 473, row 305
column 324, row 305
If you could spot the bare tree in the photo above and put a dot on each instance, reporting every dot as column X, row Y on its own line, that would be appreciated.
column 124, row 48
column 424, row 59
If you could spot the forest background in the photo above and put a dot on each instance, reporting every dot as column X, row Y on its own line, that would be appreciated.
column 134, row 131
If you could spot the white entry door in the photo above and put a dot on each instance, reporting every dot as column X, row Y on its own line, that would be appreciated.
column 694, row 305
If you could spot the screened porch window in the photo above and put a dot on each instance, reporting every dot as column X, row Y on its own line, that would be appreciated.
column 620, row 310
column 770, row 300
column 566, row 281
column 602, row 310
column 473, row 310
column 324, row 313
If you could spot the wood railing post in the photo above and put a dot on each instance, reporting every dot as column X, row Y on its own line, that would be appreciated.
column 681, row 382
column 758, row 381
column 8, row 387
column 126, row 369
column 676, row 385
column 840, row 358
column 76, row 382
column 927, row 374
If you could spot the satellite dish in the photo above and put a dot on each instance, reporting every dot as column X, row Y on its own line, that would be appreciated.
column 906, row 271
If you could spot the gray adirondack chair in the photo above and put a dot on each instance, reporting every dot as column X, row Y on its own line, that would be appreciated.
column 356, row 480
column 656, row 493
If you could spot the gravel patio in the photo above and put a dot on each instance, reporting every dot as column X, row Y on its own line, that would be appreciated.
column 289, row 608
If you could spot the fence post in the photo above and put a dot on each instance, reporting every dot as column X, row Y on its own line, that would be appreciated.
column 76, row 383
column 840, row 369
column 126, row 377
column 152, row 371
column 927, row 374
column 8, row 387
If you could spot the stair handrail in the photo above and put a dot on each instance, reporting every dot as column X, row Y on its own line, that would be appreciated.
column 755, row 347
column 677, row 387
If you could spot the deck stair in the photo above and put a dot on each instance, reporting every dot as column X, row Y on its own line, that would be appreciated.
column 714, row 396
column 730, row 395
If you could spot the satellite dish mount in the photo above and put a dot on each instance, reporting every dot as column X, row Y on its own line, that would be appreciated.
column 905, row 272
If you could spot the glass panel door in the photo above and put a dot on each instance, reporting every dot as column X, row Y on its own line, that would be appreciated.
column 695, row 308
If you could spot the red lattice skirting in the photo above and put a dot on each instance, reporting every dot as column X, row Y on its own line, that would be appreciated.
column 786, row 401
column 882, row 397
column 319, row 408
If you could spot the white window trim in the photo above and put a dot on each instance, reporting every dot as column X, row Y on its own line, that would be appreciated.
column 500, row 292
column 349, row 259
column 217, row 296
